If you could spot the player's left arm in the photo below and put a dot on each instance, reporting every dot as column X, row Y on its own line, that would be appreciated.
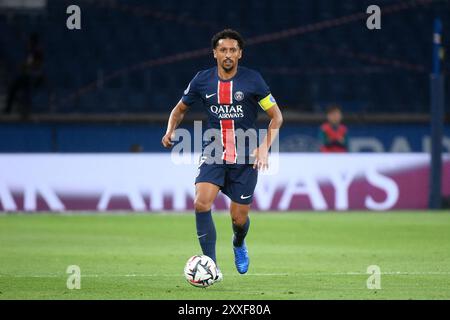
column 261, row 153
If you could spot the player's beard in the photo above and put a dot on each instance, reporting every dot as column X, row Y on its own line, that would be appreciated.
column 229, row 67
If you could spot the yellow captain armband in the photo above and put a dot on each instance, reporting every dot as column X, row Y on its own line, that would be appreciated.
column 267, row 102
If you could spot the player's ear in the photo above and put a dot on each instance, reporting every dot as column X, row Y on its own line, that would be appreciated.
column 215, row 53
column 240, row 53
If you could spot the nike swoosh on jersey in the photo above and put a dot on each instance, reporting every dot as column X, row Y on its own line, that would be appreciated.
column 245, row 197
column 210, row 95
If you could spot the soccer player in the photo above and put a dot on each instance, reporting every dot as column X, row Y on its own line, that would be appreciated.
column 231, row 96
column 333, row 134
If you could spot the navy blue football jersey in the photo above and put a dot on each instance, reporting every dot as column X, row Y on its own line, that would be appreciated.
column 232, row 107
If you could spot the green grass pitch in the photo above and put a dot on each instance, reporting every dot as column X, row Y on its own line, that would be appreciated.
column 293, row 256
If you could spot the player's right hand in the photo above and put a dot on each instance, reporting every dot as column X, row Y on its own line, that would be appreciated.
column 167, row 140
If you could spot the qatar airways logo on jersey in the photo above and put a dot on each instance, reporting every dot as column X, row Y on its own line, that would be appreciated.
column 227, row 111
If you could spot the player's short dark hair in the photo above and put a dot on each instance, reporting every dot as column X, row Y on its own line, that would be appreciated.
column 332, row 108
column 227, row 34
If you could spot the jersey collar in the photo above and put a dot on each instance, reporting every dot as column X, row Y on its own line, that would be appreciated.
column 228, row 80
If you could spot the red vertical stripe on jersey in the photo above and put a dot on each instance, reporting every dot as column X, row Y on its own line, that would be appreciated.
column 228, row 142
column 225, row 92
column 225, row 96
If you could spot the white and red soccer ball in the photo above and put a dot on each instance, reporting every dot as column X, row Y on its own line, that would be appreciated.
column 200, row 271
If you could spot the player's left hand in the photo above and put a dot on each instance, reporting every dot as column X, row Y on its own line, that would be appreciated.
column 261, row 156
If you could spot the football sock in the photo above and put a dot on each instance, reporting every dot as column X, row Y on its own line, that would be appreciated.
column 206, row 233
column 240, row 232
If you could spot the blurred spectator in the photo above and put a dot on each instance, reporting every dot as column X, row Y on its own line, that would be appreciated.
column 136, row 148
column 333, row 134
column 31, row 76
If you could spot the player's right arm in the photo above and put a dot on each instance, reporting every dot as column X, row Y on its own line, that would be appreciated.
column 175, row 118
column 190, row 96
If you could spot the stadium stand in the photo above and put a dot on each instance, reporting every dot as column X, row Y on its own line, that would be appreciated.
column 340, row 62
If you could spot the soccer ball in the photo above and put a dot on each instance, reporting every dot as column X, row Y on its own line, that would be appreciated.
column 200, row 271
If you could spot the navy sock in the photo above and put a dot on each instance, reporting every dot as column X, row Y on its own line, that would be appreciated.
column 206, row 233
column 240, row 232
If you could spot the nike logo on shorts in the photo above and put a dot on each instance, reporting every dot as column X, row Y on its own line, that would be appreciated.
column 245, row 197
column 210, row 95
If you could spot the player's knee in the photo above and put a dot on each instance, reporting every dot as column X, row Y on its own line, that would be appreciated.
column 201, row 205
column 239, row 220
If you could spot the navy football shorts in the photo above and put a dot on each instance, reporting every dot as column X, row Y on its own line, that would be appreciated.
column 237, row 181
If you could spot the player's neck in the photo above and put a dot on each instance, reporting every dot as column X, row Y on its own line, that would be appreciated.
column 226, row 75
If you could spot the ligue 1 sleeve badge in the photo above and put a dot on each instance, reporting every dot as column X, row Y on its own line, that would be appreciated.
column 239, row 96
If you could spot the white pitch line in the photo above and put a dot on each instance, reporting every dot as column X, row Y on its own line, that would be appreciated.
column 127, row 275
column 318, row 274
